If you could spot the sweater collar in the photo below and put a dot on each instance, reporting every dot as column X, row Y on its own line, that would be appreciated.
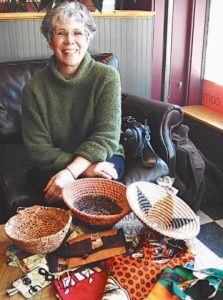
column 84, row 68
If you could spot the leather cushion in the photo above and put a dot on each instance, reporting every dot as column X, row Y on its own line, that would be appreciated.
column 14, row 165
column 106, row 58
column 12, row 80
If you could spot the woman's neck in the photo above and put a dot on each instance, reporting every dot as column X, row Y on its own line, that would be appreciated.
column 67, row 72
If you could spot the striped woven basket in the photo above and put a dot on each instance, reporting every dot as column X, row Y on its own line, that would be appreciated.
column 162, row 211
column 38, row 229
column 97, row 201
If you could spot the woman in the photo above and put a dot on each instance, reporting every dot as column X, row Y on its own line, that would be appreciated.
column 71, row 115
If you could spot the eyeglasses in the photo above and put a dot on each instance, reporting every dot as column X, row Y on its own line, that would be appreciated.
column 63, row 34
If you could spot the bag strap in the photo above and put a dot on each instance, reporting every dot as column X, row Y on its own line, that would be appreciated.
column 148, row 155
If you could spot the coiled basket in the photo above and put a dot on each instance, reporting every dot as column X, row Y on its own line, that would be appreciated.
column 97, row 201
column 161, row 210
column 38, row 229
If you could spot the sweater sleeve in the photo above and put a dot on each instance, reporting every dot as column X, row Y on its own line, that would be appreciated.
column 103, row 140
column 36, row 136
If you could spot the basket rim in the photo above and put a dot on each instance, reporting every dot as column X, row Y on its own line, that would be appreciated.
column 91, row 217
column 69, row 220
column 100, row 179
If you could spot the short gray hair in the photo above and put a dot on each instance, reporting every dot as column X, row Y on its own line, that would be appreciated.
column 64, row 10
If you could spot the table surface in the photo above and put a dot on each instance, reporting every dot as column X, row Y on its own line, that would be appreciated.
column 205, row 115
column 204, row 258
column 9, row 274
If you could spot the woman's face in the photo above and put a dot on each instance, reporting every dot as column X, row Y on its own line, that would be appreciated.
column 69, row 44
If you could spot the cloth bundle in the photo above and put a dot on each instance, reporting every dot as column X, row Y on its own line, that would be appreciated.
column 85, row 283
column 86, row 249
column 32, row 282
column 152, row 267
column 133, row 277
column 180, row 283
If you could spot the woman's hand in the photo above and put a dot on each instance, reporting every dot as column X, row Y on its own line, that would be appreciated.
column 101, row 169
column 54, row 188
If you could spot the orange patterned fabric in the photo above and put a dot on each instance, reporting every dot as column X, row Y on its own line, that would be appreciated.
column 138, row 275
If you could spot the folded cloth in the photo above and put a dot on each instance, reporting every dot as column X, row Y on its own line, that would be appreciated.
column 133, row 277
column 32, row 282
column 84, row 283
column 87, row 248
column 180, row 283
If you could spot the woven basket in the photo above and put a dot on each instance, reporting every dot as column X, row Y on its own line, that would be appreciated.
column 38, row 229
column 162, row 211
column 97, row 201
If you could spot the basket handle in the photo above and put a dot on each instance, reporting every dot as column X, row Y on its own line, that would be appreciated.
column 32, row 209
column 21, row 210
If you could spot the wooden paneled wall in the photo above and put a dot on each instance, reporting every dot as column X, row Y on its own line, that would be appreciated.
column 130, row 39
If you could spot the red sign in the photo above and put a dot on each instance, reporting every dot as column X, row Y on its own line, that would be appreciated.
column 213, row 96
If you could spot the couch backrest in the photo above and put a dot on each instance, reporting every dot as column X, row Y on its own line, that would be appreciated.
column 13, row 76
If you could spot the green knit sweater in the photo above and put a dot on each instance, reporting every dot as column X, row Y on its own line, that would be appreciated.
column 64, row 118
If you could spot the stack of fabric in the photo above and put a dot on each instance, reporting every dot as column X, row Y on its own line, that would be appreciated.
column 101, row 264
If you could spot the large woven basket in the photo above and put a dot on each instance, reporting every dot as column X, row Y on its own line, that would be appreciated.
column 97, row 201
column 162, row 211
column 38, row 229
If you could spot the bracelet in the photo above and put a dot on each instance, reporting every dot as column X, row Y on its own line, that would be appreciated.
column 71, row 173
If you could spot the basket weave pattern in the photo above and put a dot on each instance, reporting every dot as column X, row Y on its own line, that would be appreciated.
column 162, row 211
column 97, row 201
column 38, row 229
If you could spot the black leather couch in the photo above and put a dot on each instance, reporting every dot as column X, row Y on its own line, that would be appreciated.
column 14, row 162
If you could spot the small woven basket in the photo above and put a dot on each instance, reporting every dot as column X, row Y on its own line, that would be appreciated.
column 38, row 229
column 162, row 211
column 97, row 201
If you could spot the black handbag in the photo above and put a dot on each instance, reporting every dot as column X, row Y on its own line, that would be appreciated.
column 135, row 138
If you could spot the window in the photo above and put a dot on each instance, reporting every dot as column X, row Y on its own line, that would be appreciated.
column 214, row 51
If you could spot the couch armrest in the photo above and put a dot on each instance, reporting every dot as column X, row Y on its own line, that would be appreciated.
column 162, row 118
